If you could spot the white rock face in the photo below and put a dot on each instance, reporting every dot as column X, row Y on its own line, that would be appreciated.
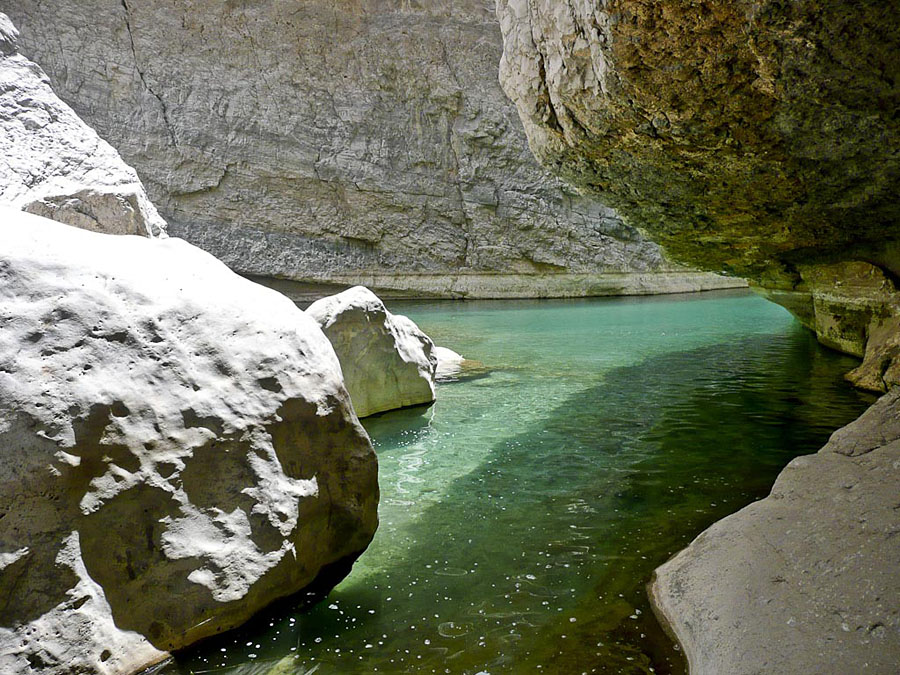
column 387, row 361
column 449, row 363
column 177, row 449
column 53, row 164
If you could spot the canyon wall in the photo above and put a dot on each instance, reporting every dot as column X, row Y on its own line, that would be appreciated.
column 760, row 139
column 753, row 138
column 365, row 141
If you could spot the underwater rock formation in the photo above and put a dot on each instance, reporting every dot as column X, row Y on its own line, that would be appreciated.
column 56, row 166
column 387, row 361
column 178, row 449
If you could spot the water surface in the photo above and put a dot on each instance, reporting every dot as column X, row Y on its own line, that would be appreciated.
column 523, row 514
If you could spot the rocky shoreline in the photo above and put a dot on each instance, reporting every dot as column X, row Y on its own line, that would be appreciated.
column 805, row 580
column 508, row 286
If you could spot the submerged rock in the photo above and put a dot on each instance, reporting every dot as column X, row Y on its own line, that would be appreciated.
column 178, row 449
column 387, row 361
column 449, row 363
column 453, row 367
column 806, row 580
column 55, row 165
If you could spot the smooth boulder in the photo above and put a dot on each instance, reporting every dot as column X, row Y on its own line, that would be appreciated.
column 449, row 363
column 806, row 580
column 178, row 449
column 387, row 361
column 55, row 165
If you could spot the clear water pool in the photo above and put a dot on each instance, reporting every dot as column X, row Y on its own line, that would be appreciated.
column 523, row 514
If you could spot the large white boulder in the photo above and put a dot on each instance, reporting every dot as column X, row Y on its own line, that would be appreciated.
column 177, row 449
column 387, row 361
column 55, row 165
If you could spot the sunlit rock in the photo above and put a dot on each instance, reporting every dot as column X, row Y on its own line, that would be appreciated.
column 387, row 361
column 55, row 165
column 178, row 449
column 449, row 363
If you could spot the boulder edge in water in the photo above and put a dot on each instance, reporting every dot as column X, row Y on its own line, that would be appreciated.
column 178, row 449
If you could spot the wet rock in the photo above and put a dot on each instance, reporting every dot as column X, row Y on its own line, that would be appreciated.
column 178, row 449
column 449, row 363
column 880, row 369
column 805, row 580
column 56, row 166
column 387, row 361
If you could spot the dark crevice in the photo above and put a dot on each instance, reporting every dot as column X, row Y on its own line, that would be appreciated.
column 162, row 104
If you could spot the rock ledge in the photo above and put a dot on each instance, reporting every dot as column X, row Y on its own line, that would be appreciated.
column 806, row 580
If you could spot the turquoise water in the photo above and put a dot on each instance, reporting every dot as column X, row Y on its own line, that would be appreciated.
column 522, row 515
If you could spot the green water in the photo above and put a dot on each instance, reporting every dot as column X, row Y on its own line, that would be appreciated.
column 522, row 515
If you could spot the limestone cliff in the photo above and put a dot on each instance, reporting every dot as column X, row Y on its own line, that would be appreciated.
column 365, row 141
column 753, row 138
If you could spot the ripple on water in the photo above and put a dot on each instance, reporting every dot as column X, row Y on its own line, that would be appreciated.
column 523, row 514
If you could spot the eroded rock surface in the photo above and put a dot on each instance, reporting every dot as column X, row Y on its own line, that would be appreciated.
column 387, row 361
column 759, row 139
column 806, row 580
column 361, row 142
column 178, row 449
column 754, row 138
column 52, row 164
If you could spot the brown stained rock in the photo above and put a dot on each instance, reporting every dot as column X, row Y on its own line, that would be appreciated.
column 747, row 137
column 880, row 369
column 759, row 139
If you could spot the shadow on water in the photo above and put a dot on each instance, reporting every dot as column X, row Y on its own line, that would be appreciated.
column 536, row 560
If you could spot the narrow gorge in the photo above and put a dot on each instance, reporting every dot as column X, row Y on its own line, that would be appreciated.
column 374, row 336
column 326, row 145
column 761, row 139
